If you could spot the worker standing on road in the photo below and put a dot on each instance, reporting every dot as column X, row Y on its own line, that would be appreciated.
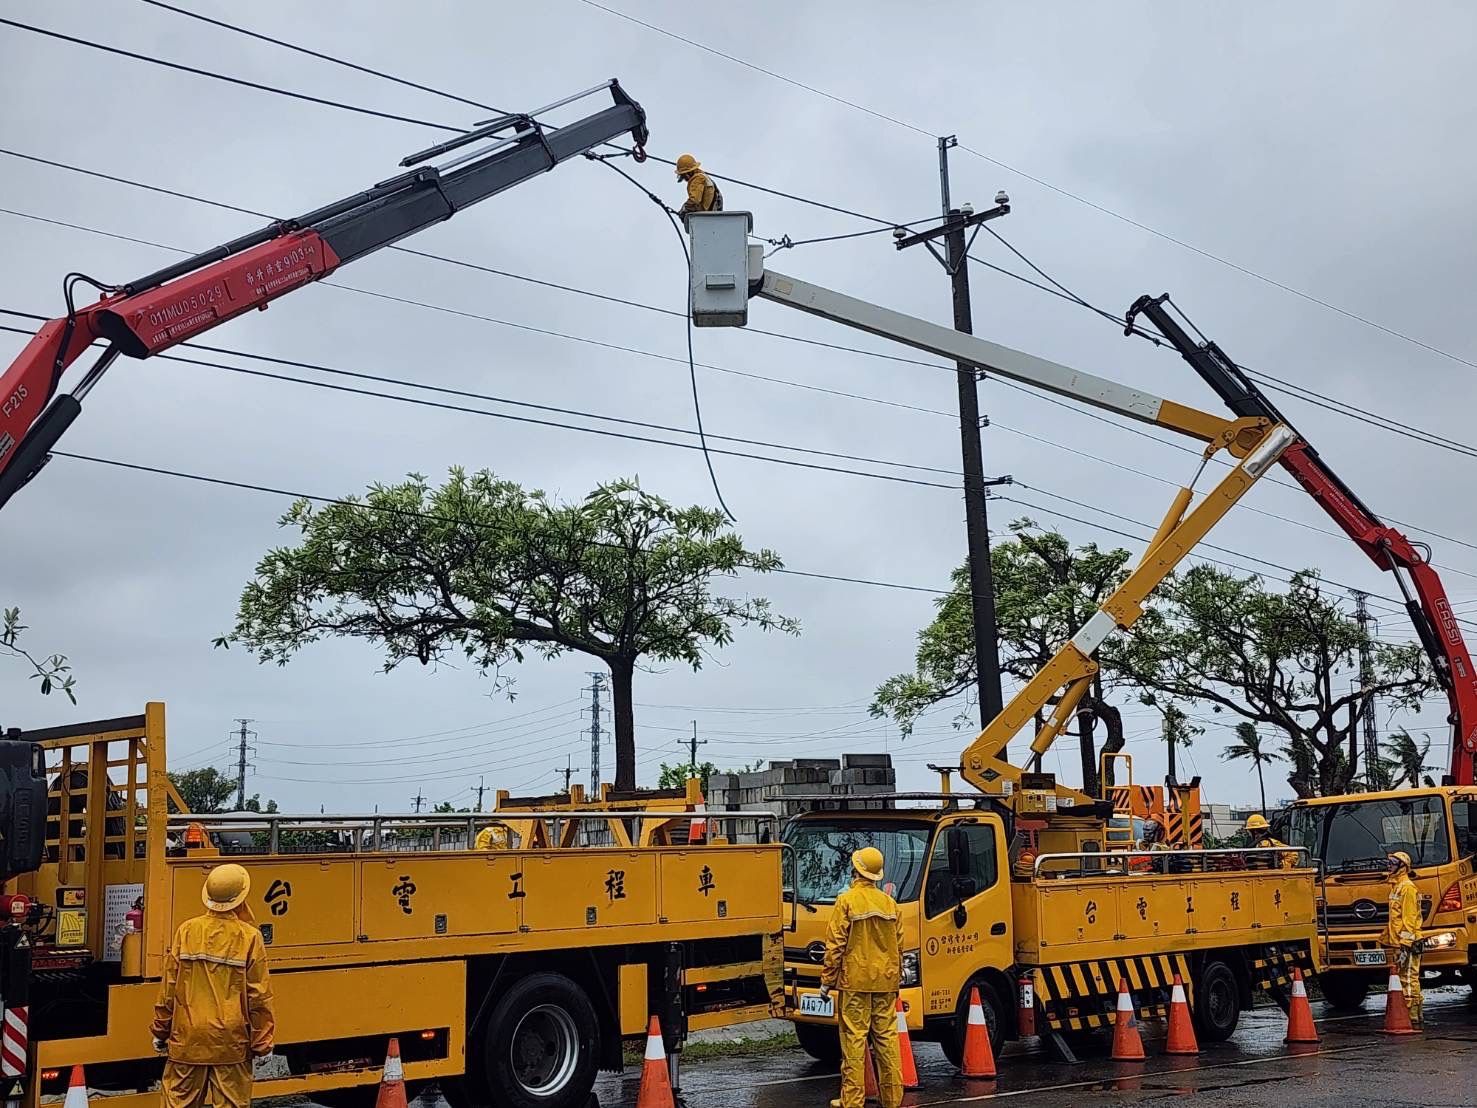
column 214, row 1012
column 1260, row 833
column 863, row 961
column 1403, row 932
column 702, row 193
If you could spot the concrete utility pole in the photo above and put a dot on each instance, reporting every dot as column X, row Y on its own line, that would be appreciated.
column 481, row 788
column 597, row 687
column 692, row 746
column 241, row 764
column 568, row 771
column 419, row 801
column 1366, row 679
column 981, row 580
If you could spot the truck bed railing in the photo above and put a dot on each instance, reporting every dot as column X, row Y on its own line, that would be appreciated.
column 1116, row 863
column 382, row 833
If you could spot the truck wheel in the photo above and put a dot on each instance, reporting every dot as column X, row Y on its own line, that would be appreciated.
column 952, row 1040
column 1344, row 991
column 540, row 1048
column 1217, row 1002
column 821, row 1041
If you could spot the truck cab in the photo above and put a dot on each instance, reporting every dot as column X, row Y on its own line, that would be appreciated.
column 1349, row 837
column 947, row 867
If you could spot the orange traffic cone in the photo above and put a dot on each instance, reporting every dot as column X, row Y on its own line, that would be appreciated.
column 1181, row 1032
column 979, row 1058
column 1300, row 1027
column 869, row 1087
column 1397, row 1014
column 77, row 1090
column 905, row 1050
column 392, row 1081
column 1128, row 1044
column 656, row 1085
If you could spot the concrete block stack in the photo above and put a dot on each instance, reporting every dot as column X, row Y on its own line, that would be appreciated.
column 781, row 787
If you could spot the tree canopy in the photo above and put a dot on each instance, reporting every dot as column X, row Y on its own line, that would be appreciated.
column 1285, row 660
column 1288, row 660
column 1045, row 589
column 208, row 790
column 482, row 570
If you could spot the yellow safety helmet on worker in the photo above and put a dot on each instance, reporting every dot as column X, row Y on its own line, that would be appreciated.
column 1257, row 822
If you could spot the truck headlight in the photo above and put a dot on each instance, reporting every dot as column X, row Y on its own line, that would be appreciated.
column 909, row 977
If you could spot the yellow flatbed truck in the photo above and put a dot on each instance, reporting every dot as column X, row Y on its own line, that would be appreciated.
column 509, row 975
column 1349, row 836
column 1047, row 939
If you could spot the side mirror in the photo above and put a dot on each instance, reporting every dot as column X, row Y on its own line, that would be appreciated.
column 960, row 871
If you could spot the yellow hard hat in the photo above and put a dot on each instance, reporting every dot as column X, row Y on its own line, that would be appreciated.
column 868, row 862
column 1400, row 858
column 686, row 163
column 226, row 887
column 1257, row 822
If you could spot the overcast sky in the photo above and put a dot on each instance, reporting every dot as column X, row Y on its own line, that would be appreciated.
column 1321, row 146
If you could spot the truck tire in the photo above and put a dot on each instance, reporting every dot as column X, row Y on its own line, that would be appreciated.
column 1217, row 1002
column 952, row 1039
column 821, row 1041
column 541, row 1046
column 1344, row 991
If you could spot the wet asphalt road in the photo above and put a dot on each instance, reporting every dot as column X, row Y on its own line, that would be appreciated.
column 1355, row 1066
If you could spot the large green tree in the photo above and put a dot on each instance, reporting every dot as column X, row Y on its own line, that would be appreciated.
column 482, row 569
column 1045, row 589
column 1288, row 660
column 52, row 671
column 207, row 790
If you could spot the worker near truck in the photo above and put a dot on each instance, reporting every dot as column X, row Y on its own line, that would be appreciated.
column 863, row 961
column 1259, row 831
column 702, row 193
column 1403, row 932
column 214, row 1012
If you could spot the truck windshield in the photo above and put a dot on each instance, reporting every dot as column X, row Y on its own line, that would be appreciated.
column 1357, row 835
column 823, row 854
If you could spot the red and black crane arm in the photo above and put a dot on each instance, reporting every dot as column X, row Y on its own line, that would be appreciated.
column 145, row 316
column 1420, row 585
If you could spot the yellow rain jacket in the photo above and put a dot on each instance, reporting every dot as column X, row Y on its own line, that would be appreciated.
column 215, row 1002
column 492, row 837
column 702, row 194
column 864, row 945
column 1405, row 913
column 1271, row 842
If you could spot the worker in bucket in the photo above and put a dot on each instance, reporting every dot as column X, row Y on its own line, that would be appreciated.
column 1403, row 932
column 214, row 1012
column 1259, row 831
column 863, row 961
column 702, row 193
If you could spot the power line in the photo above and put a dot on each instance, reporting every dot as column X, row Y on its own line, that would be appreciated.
column 1058, row 189
column 482, row 412
column 211, row 75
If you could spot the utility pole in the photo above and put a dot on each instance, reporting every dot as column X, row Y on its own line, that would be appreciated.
column 1366, row 679
column 241, row 764
column 418, row 800
column 568, row 771
column 481, row 788
column 692, row 746
column 597, row 687
column 955, row 260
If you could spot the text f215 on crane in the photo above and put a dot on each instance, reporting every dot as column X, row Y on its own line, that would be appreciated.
column 145, row 316
column 1026, row 889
